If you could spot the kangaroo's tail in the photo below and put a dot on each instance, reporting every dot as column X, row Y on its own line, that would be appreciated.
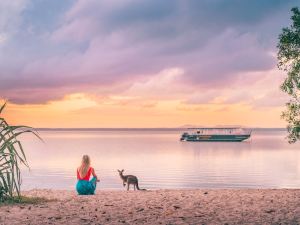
column 137, row 186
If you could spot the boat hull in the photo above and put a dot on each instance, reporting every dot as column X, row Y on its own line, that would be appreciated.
column 215, row 138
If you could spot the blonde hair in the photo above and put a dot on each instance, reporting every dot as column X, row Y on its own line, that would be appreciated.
column 85, row 165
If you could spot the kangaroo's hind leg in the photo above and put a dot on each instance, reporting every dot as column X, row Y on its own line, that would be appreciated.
column 134, row 186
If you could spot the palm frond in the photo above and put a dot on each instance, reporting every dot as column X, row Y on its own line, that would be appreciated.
column 2, row 107
column 12, row 155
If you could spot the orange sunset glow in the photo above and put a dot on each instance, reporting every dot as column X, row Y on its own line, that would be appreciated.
column 102, row 71
column 84, row 110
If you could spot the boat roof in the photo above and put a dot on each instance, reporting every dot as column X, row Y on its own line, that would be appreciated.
column 214, row 128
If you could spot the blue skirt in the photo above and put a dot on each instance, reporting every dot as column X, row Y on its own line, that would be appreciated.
column 85, row 187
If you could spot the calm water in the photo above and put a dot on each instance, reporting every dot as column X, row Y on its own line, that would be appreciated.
column 161, row 161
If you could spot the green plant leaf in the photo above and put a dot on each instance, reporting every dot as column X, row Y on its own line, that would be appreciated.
column 12, row 155
column 2, row 107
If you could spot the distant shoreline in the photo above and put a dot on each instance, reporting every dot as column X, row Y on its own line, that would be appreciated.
column 142, row 129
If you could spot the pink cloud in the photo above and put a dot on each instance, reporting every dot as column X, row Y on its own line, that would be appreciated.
column 108, row 47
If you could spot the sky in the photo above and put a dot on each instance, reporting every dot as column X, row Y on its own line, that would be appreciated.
column 142, row 63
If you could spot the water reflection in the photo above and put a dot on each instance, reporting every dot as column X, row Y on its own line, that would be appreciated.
column 160, row 160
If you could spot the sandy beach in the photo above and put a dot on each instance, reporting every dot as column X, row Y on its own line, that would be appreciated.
column 202, row 206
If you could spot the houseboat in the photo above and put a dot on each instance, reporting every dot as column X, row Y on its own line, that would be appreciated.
column 230, row 134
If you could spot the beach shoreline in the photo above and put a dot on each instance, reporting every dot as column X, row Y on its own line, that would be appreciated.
column 166, row 206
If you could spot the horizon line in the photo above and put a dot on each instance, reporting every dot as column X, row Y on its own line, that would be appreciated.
column 127, row 128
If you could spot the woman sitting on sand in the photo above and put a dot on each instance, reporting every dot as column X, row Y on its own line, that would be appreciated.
column 85, row 186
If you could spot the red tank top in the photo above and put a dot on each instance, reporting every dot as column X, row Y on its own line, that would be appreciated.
column 87, row 176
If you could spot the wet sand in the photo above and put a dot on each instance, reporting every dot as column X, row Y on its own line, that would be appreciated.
column 201, row 206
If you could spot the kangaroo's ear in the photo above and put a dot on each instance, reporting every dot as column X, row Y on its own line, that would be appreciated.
column 119, row 171
column 122, row 170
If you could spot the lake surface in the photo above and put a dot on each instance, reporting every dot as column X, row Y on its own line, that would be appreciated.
column 160, row 160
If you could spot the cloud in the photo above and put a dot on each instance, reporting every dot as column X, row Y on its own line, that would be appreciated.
column 271, row 99
column 164, row 84
column 126, row 46
column 10, row 14
column 3, row 38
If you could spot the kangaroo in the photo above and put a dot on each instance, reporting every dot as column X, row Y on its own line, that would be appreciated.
column 130, row 179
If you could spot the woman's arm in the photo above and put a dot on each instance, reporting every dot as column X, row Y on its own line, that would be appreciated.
column 77, row 172
column 94, row 174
